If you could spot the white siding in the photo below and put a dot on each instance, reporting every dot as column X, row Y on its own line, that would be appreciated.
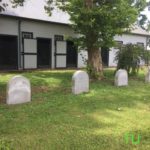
column 30, row 61
column 125, row 39
column 111, row 60
column 8, row 26
column 61, row 49
column 131, row 39
column 82, row 57
column 61, row 61
column 148, row 48
column 30, row 46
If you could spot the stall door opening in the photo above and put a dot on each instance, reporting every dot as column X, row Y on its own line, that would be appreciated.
column 105, row 55
column 71, row 54
column 44, row 53
column 8, row 52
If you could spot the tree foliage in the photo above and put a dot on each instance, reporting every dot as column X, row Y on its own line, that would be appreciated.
column 3, row 5
column 129, row 57
column 142, row 18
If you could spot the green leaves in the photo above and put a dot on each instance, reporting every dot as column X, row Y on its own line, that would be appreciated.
column 17, row 3
column 129, row 57
column 102, row 21
column 2, row 5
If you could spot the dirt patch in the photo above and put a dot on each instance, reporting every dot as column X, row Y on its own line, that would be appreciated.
column 2, row 98
column 40, row 89
column 44, row 89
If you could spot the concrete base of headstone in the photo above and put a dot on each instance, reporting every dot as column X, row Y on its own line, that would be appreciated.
column 121, row 78
column 80, row 82
column 18, row 90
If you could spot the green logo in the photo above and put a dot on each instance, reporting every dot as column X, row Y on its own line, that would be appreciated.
column 132, row 138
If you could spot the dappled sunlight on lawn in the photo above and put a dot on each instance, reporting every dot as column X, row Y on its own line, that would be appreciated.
column 120, row 120
column 58, row 119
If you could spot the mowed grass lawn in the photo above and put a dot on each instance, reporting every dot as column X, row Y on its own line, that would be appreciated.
column 58, row 120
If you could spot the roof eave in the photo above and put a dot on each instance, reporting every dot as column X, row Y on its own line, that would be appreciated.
column 32, row 19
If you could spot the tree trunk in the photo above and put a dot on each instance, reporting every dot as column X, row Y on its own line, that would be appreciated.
column 95, row 67
column 94, row 63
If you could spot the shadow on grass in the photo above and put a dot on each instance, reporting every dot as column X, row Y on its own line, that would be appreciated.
column 57, row 119
column 41, row 81
column 56, row 82
column 74, row 138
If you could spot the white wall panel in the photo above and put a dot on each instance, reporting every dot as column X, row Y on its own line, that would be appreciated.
column 8, row 26
column 111, row 60
column 82, row 57
column 61, row 61
column 30, row 46
column 30, row 61
column 61, row 47
column 127, row 38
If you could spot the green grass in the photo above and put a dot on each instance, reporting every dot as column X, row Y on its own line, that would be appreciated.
column 58, row 120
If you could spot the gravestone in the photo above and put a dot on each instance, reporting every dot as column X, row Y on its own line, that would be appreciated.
column 18, row 90
column 147, row 76
column 121, row 78
column 80, row 82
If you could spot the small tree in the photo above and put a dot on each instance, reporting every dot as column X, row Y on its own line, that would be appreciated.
column 129, row 57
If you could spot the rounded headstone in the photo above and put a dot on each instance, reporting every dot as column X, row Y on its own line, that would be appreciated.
column 121, row 78
column 18, row 90
column 147, row 76
column 80, row 82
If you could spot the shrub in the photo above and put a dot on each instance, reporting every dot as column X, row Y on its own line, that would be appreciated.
column 129, row 57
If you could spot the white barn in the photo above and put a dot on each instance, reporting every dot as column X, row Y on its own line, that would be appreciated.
column 31, row 40
column 137, row 36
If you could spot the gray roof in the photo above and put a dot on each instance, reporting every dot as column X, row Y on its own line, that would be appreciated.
column 34, row 9
column 138, row 30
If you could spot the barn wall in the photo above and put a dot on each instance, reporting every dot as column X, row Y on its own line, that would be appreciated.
column 45, row 30
column 8, row 26
column 126, row 39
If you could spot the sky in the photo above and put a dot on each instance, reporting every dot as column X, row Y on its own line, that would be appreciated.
column 147, row 12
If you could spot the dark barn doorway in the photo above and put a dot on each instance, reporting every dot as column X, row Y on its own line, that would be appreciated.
column 8, row 52
column 105, row 55
column 43, row 53
column 71, row 54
